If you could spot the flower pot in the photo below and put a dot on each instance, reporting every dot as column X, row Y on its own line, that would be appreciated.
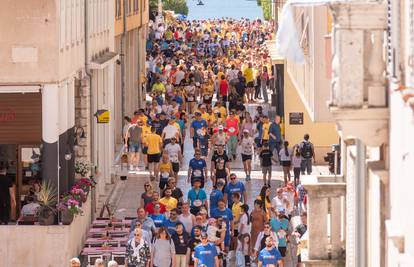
column 66, row 217
column 46, row 216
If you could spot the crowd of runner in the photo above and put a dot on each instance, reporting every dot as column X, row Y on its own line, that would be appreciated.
column 201, row 77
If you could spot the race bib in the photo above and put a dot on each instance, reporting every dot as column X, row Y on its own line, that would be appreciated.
column 200, row 132
column 197, row 173
column 190, row 98
column 281, row 233
column 174, row 158
column 165, row 175
column 197, row 203
column 206, row 97
column 232, row 130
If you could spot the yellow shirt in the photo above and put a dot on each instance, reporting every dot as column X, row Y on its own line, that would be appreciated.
column 170, row 203
column 248, row 74
column 154, row 142
column 222, row 110
column 237, row 211
column 219, row 74
column 205, row 116
column 265, row 128
column 146, row 130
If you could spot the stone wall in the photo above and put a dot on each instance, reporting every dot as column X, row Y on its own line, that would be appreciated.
column 82, row 118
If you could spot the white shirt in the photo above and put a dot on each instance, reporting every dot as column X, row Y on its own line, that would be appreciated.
column 278, row 203
column 282, row 154
column 173, row 151
column 243, row 221
column 247, row 146
column 170, row 131
column 179, row 76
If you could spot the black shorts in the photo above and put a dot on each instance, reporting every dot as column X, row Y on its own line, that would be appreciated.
column 285, row 163
column 207, row 99
column 250, row 84
column 246, row 157
column 154, row 158
column 175, row 166
column 144, row 150
column 282, row 251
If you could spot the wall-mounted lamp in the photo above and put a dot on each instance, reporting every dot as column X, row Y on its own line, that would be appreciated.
column 81, row 135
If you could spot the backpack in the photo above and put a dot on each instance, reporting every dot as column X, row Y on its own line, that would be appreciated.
column 307, row 150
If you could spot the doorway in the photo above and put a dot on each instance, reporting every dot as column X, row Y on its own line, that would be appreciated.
column 24, row 167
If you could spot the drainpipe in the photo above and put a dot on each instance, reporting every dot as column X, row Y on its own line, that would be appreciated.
column 122, row 55
column 89, row 74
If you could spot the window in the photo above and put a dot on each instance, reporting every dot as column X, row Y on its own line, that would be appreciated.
column 128, row 7
column 118, row 9
column 136, row 6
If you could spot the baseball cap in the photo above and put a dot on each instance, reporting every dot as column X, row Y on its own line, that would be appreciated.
column 221, row 127
column 173, row 117
column 245, row 131
column 281, row 210
column 197, row 113
column 203, row 235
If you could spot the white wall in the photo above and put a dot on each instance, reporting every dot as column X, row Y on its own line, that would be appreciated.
column 46, row 246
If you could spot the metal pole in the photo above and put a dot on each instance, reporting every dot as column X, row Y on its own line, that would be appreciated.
column 122, row 56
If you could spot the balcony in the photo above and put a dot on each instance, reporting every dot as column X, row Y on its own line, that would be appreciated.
column 326, row 221
column 358, row 90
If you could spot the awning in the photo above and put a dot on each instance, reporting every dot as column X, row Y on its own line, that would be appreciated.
column 104, row 60
column 287, row 41
column 273, row 53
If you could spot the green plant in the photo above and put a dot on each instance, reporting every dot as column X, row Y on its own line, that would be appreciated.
column 82, row 168
column 47, row 196
column 178, row 6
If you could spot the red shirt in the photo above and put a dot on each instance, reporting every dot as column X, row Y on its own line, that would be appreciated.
column 224, row 87
column 149, row 208
column 232, row 126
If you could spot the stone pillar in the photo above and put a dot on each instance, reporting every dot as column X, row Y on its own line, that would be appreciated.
column 82, row 111
column 325, row 244
column 317, row 224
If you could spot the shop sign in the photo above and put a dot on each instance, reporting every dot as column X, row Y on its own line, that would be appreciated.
column 296, row 118
column 8, row 115
column 102, row 116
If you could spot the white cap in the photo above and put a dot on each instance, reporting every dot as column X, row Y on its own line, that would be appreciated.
column 220, row 127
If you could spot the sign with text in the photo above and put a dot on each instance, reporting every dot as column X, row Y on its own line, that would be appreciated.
column 296, row 118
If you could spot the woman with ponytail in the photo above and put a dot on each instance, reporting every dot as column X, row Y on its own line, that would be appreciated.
column 285, row 156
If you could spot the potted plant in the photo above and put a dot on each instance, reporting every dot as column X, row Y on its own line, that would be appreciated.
column 82, row 168
column 68, row 208
column 47, row 199
column 86, row 184
column 78, row 194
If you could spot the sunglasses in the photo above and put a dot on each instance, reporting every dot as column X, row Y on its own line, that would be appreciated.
column 232, row 178
column 146, row 185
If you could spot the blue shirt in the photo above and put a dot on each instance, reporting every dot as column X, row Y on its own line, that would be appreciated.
column 275, row 130
column 234, row 188
column 193, row 195
column 215, row 196
column 178, row 99
column 159, row 219
column 269, row 256
column 280, row 227
column 197, row 125
column 226, row 214
column 205, row 254
column 197, row 166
